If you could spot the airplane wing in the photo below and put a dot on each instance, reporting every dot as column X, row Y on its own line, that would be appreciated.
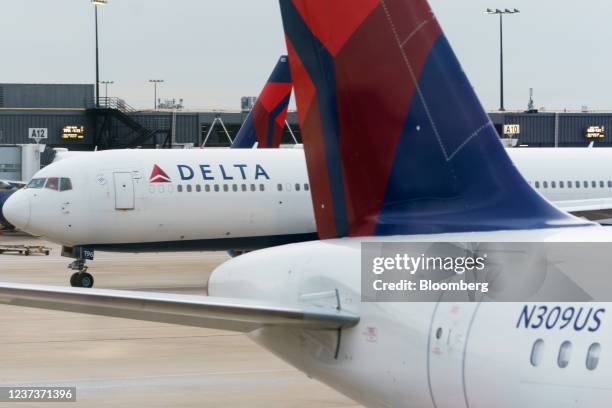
column 594, row 209
column 187, row 310
column 9, row 184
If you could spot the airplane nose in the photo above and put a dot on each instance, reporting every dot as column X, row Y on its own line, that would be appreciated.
column 17, row 210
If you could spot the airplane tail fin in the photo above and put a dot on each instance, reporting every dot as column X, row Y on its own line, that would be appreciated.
column 395, row 137
column 265, row 123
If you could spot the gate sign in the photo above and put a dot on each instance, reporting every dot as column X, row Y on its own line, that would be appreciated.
column 73, row 132
column 38, row 134
column 596, row 132
column 512, row 129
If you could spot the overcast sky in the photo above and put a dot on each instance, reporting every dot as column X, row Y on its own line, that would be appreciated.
column 212, row 52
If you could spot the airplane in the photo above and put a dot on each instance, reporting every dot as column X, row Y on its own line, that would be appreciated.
column 263, row 127
column 303, row 301
column 205, row 190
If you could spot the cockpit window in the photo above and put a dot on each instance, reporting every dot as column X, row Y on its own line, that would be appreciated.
column 52, row 183
column 36, row 183
column 65, row 184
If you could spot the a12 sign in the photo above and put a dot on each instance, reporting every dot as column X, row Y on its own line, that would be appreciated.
column 38, row 133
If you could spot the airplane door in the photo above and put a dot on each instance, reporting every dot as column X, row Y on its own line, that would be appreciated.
column 124, row 191
column 447, row 344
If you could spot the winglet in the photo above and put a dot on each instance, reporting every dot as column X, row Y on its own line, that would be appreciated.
column 396, row 140
column 265, row 123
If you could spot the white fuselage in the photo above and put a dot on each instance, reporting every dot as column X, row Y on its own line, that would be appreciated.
column 438, row 355
column 263, row 196
column 213, row 195
column 576, row 180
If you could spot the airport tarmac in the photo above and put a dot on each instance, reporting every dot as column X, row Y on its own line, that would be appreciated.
column 125, row 363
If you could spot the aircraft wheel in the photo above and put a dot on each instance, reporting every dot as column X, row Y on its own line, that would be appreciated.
column 86, row 280
column 74, row 280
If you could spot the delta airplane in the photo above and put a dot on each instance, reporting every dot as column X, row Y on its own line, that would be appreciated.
column 235, row 200
column 303, row 301
column 263, row 127
column 157, row 200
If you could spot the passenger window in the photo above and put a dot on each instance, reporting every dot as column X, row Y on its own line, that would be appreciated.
column 297, row 187
column 593, row 356
column 244, row 187
column 198, row 188
column 585, row 184
column 306, row 187
column 561, row 184
column 577, row 184
column 601, row 184
column 609, row 184
column 65, row 184
column 545, row 184
column 537, row 184
column 216, row 188
column 565, row 353
column 189, row 188
column 207, row 188
column 37, row 183
column 225, row 188
column 553, row 184
column 569, row 184
column 280, row 187
column 52, row 183
column 262, row 187
column 234, row 187
column 253, row 188
column 594, row 184
column 179, row 188
column 536, row 352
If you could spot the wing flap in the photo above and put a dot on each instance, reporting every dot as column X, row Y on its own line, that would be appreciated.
column 187, row 310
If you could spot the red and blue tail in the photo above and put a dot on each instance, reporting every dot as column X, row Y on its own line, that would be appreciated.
column 266, row 121
column 396, row 140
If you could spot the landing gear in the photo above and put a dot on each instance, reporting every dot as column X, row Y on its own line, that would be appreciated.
column 80, row 279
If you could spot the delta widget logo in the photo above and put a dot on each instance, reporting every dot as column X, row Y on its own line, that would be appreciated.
column 159, row 176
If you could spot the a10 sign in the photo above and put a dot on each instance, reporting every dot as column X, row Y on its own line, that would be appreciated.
column 512, row 129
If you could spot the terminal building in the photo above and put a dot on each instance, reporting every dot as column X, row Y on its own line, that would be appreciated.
column 65, row 115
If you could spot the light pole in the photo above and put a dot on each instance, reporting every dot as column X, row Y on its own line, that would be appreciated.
column 106, row 84
column 501, row 49
column 97, row 3
column 155, row 82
